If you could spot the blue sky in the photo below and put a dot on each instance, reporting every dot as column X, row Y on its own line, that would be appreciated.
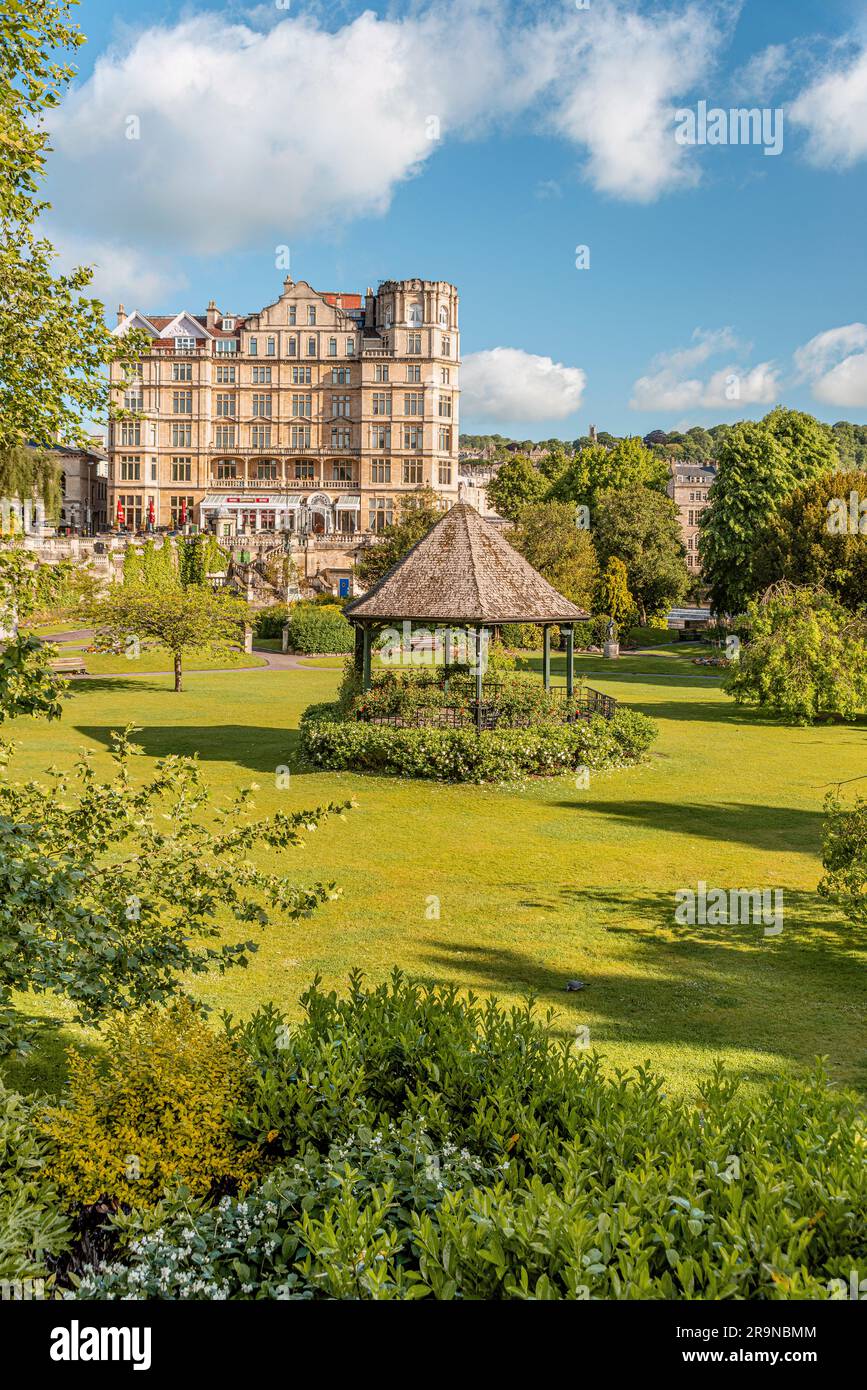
column 721, row 280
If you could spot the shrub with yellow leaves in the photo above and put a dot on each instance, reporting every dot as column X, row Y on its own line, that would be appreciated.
column 155, row 1113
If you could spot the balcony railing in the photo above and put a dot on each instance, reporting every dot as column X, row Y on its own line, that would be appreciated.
column 281, row 484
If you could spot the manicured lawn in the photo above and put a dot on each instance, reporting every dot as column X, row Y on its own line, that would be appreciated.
column 158, row 659
column 543, row 883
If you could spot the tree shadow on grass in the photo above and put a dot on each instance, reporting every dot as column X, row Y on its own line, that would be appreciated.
column 816, row 944
column 249, row 746
column 777, row 828
column 799, row 994
column 46, row 1067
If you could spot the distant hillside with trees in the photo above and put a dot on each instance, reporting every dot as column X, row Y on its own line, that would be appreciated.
column 695, row 445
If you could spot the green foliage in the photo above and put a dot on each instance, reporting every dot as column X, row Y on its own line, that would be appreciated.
column 548, row 537
column 517, row 484
column 155, row 1113
column 759, row 466
column 31, row 1225
column 111, row 892
column 27, row 684
column 30, row 473
column 158, row 573
column 191, row 561
column 844, row 856
column 271, row 621
column 427, row 1144
column 523, row 637
column 54, row 342
column 803, row 545
column 463, row 755
column 159, row 613
column 418, row 513
column 805, row 656
column 595, row 469
column 197, row 557
column 320, row 628
column 640, row 527
column 614, row 598
column 517, row 696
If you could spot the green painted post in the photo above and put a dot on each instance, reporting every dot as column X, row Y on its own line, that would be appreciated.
column 478, row 680
column 447, row 659
column 546, row 660
column 365, row 681
column 570, row 661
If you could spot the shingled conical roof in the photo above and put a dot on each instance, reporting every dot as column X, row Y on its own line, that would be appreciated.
column 463, row 572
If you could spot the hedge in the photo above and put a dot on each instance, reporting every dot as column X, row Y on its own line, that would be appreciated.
column 422, row 1144
column 317, row 627
column 462, row 755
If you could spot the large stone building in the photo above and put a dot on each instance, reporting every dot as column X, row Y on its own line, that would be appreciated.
column 315, row 415
column 84, row 489
column 688, row 485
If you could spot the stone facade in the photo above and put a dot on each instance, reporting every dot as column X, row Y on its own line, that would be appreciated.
column 317, row 415
column 84, row 489
column 688, row 485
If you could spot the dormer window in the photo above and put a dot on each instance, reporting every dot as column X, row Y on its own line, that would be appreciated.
column 311, row 314
column 228, row 325
column 414, row 316
column 293, row 310
column 185, row 344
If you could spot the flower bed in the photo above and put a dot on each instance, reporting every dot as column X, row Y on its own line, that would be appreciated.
column 463, row 755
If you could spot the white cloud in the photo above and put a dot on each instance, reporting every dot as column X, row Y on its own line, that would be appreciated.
column 120, row 272
column 834, row 365
column 666, row 387
column 255, row 135
column 759, row 78
column 509, row 384
column 246, row 135
column 619, row 87
column 833, row 110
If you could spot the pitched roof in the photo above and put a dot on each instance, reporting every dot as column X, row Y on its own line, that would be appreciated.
column 464, row 571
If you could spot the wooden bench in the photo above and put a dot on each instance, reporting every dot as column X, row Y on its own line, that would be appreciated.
column 69, row 666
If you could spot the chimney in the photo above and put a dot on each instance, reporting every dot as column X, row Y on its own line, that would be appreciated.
column 121, row 313
column 369, row 308
column 592, row 434
column 213, row 315
column 288, row 283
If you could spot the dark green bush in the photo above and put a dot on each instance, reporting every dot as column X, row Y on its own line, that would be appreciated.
column 425, row 1144
column 271, row 621
column 32, row 1226
column 320, row 627
column 522, row 637
column 462, row 755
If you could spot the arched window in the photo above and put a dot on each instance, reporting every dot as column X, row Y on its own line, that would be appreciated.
column 414, row 318
column 387, row 319
column 444, row 317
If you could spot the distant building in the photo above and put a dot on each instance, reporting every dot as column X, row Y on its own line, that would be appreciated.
column 688, row 485
column 84, row 489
